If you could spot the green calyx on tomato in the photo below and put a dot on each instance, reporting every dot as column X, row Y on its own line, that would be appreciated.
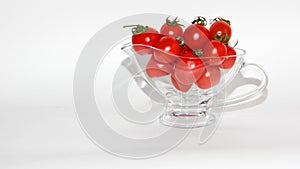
column 221, row 19
column 137, row 29
column 174, row 22
column 223, row 39
column 180, row 40
column 198, row 52
column 200, row 20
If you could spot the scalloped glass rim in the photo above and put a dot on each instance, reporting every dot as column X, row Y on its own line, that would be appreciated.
column 240, row 52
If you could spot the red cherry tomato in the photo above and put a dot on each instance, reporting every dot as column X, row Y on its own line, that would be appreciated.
column 171, row 28
column 188, row 68
column 149, row 39
column 143, row 35
column 155, row 69
column 220, row 30
column 196, row 35
column 210, row 78
column 229, row 59
column 179, row 86
column 214, row 52
column 169, row 49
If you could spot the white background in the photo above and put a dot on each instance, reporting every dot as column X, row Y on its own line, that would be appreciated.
column 40, row 42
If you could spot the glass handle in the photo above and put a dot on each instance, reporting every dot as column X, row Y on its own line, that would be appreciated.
column 250, row 94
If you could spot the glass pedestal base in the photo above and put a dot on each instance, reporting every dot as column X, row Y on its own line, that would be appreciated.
column 187, row 118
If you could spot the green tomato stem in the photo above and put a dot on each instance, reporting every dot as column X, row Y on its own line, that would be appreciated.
column 200, row 20
column 136, row 29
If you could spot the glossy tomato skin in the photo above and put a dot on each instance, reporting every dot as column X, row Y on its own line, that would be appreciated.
column 195, row 36
column 185, row 49
column 149, row 39
column 230, row 60
column 214, row 52
column 188, row 68
column 220, row 30
column 210, row 78
column 179, row 86
column 169, row 50
column 171, row 30
column 156, row 69
column 151, row 30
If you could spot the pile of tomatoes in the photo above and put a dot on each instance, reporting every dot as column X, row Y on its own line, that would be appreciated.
column 193, row 55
